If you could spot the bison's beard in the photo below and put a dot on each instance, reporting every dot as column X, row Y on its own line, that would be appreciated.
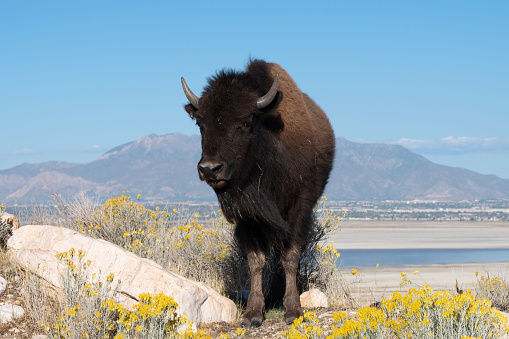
column 250, row 203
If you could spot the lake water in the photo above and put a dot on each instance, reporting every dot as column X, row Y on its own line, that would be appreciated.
column 393, row 257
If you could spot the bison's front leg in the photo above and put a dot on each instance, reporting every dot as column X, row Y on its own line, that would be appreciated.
column 255, row 303
column 290, row 259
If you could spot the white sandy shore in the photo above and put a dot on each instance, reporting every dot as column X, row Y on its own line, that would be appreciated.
column 414, row 234
column 371, row 283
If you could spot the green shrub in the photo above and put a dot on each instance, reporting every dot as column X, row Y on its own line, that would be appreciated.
column 5, row 229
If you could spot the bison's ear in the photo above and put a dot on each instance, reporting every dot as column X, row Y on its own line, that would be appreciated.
column 191, row 110
column 271, row 118
column 273, row 122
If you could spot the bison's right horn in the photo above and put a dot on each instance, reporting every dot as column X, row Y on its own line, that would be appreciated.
column 264, row 101
column 193, row 99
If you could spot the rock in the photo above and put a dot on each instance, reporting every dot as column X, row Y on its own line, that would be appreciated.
column 40, row 336
column 326, row 315
column 10, row 312
column 36, row 247
column 11, row 220
column 3, row 285
column 313, row 298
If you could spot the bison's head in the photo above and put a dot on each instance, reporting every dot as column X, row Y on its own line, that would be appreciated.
column 232, row 116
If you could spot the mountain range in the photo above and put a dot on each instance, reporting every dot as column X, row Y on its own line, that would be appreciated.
column 162, row 168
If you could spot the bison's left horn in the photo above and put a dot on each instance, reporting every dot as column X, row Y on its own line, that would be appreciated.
column 193, row 99
column 264, row 101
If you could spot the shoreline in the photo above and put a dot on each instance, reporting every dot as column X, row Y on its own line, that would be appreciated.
column 372, row 283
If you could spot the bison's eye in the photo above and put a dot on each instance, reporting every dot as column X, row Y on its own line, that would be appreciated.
column 247, row 124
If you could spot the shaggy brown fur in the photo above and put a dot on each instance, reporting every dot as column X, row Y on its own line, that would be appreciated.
column 268, row 168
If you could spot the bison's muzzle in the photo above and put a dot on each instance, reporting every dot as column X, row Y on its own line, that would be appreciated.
column 214, row 173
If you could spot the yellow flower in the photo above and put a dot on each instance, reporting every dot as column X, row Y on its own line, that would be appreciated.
column 339, row 317
column 110, row 277
column 353, row 272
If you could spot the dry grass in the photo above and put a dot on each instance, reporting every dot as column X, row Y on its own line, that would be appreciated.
column 16, row 287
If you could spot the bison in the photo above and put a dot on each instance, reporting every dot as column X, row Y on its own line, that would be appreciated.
column 267, row 151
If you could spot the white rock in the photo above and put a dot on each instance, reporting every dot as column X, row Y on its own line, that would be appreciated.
column 10, row 312
column 40, row 336
column 36, row 247
column 314, row 298
column 3, row 285
column 326, row 315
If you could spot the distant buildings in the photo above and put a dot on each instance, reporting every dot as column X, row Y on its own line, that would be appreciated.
column 481, row 210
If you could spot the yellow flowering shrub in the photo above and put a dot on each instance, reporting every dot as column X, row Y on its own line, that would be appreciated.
column 404, row 279
column 426, row 314
column 369, row 323
column 89, row 309
column 175, row 240
column 83, row 293
column 121, row 216
column 304, row 327
column 419, row 314
column 494, row 289
column 152, row 317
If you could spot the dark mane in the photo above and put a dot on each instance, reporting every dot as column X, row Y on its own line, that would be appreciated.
column 255, row 78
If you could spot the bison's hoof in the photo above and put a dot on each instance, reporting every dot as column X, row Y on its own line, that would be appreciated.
column 290, row 316
column 254, row 322
column 290, row 320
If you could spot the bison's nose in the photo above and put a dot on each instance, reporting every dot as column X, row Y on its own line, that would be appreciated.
column 209, row 169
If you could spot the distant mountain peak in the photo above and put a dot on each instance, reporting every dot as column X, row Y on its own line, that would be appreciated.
column 163, row 168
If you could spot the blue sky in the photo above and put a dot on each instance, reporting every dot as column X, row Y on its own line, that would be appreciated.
column 78, row 78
